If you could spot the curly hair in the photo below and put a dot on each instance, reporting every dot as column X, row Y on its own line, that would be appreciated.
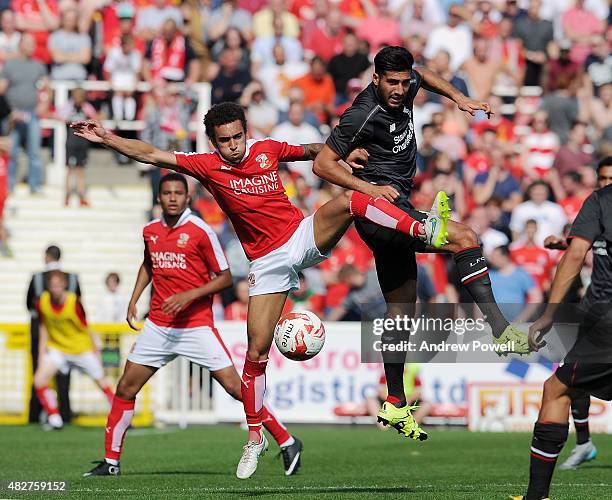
column 221, row 114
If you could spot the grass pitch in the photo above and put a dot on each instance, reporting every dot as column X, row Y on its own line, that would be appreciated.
column 338, row 462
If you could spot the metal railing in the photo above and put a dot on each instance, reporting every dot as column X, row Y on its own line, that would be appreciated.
column 61, row 91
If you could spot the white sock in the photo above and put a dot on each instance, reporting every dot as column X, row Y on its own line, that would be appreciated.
column 117, row 104
column 289, row 442
column 111, row 461
column 130, row 108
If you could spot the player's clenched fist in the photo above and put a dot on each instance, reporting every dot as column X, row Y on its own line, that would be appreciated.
column 358, row 158
column 553, row 242
column 389, row 193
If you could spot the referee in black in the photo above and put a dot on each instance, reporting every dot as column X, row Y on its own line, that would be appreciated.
column 587, row 367
column 380, row 121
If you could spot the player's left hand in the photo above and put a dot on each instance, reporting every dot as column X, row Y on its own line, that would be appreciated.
column 358, row 158
column 177, row 302
column 92, row 130
column 537, row 331
column 471, row 106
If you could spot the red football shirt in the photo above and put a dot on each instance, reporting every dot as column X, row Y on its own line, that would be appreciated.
column 182, row 258
column 536, row 261
column 250, row 193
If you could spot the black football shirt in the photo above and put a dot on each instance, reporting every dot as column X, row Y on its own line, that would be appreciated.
column 594, row 224
column 387, row 135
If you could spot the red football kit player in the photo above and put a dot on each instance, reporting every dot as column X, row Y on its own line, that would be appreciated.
column 243, row 178
column 184, row 261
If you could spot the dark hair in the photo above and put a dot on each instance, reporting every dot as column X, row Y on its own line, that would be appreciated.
column 317, row 59
column 114, row 276
column 346, row 271
column 574, row 176
column 531, row 221
column 575, row 123
column 393, row 59
column 173, row 177
column 538, row 183
column 604, row 162
column 425, row 126
column 221, row 114
column 53, row 252
column 504, row 250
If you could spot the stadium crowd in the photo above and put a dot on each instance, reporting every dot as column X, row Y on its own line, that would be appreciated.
column 544, row 65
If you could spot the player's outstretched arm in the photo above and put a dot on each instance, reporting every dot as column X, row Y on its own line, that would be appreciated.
column 568, row 270
column 179, row 301
column 142, row 281
column 435, row 83
column 327, row 166
column 141, row 151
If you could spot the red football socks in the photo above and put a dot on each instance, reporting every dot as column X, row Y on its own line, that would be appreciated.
column 384, row 213
column 274, row 427
column 119, row 419
column 48, row 400
column 108, row 392
column 253, row 390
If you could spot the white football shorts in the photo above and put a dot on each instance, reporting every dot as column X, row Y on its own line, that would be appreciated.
column 278, row 270
column 158, row 345
column 87, row 362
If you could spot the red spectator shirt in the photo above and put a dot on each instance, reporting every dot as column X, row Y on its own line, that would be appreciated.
column 536, row 261
column 30, row 11
column 572, row 204
column 236, row 311
column 250, row 192
column 4, row 162
column 182, row 258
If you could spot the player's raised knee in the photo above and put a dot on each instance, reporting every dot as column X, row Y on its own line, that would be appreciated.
column 463, row 236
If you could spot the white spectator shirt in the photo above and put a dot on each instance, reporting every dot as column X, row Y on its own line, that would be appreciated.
column 456, row 41
column 491, row 239
column 263, row 114
column 276, row 81
column 301, row 134
column 123, row 68
column 9, row 44
column 550, row 217
column 262, row 49
column 112, row 308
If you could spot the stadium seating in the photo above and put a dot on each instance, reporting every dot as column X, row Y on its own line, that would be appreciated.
column 94, row 241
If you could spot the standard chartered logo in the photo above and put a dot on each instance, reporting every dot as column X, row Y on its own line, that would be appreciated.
column 168, row 260
column 403, row 140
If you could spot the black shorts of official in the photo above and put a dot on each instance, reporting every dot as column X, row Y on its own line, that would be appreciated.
column 588, row 364
column 394, row 252
column 76, row 151
column 594, row 379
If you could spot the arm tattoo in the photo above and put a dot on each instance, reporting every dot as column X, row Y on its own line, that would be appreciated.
column 311, row 150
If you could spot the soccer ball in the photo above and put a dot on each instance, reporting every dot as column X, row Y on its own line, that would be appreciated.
column 299, row 335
